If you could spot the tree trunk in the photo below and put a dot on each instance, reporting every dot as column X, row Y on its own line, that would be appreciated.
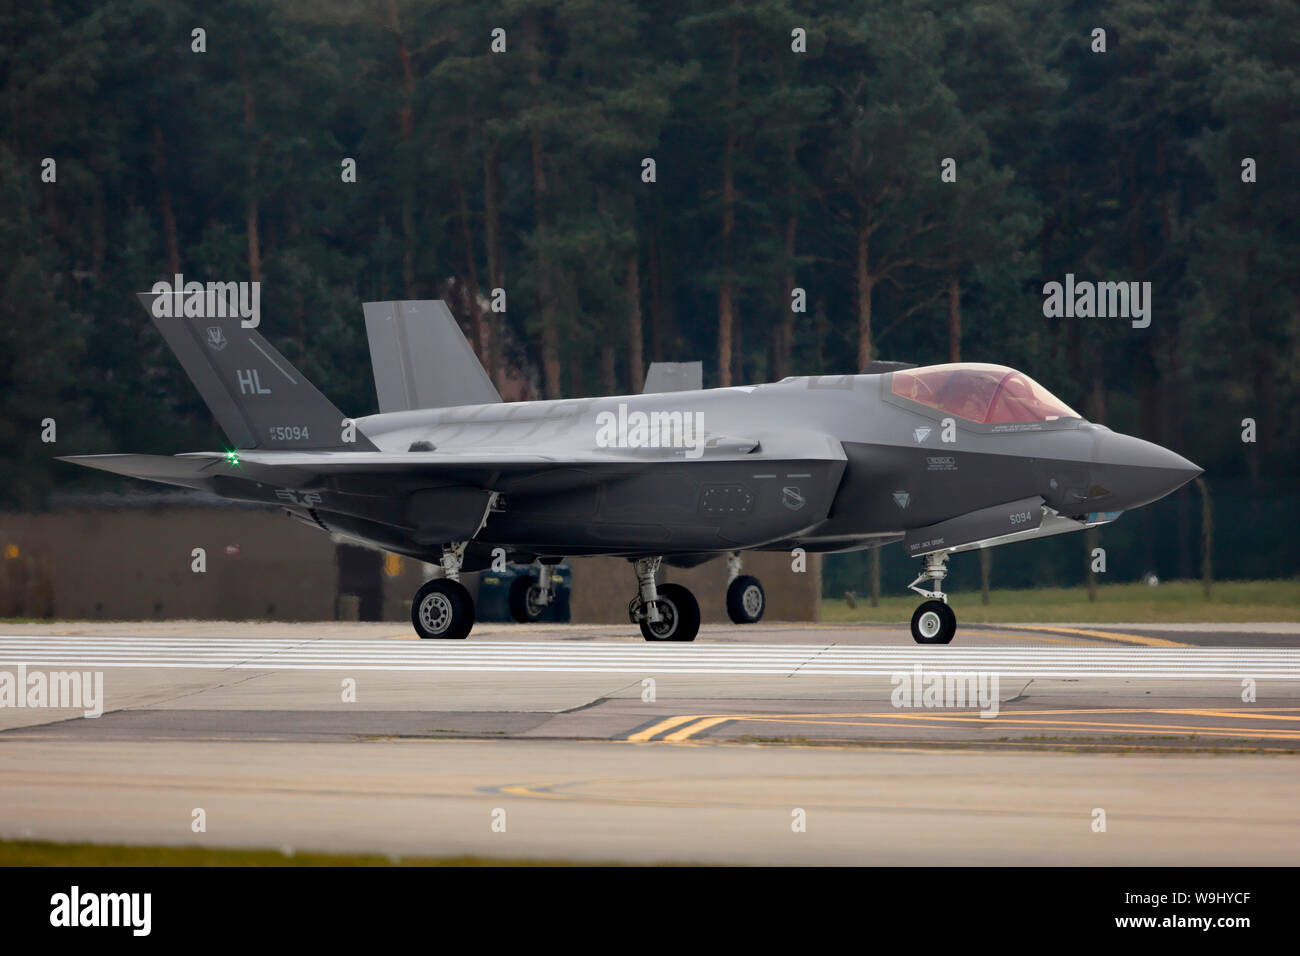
column 785, row 327
column 875, row 576
column 986, row 574
column 1207, row 538
column 546, row 286
column 635, row 352
column 251, row 218
column 1091, row 538
column 170, row 240
column 726, row 316
column 954, row 319
column 254, row 248
column 495, row 265
column 819, row 340
column 737, row 354
column 471, row 274
column 608, row 380
column 1097, row 394
column 99, row 236
column 577, row 376
column 1264, row 392
column 405, row 126
column 658, row 326
column 866, row 282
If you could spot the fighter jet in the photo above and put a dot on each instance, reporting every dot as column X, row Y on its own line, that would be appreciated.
column 944, row 458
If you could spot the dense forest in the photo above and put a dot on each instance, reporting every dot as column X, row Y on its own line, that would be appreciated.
column 774, row 187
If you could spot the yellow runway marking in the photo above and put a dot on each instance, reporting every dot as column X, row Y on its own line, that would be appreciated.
column 660, row 727
column 1104, row 635
column 690, row 726
column 1004, row 721
column 1077, row 642
column 521, row 791
column 691, row 730
column 853, row 626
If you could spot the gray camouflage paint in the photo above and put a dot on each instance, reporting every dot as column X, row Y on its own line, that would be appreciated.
column 825, row 463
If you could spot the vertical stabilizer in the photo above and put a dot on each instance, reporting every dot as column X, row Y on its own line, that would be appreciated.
column 421, row 359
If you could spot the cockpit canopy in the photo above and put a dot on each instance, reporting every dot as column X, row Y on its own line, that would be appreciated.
column 986, row 394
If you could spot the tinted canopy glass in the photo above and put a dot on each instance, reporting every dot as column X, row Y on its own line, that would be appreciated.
column 987, row 394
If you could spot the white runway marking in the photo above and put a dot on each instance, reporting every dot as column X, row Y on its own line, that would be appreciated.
column 782, row 660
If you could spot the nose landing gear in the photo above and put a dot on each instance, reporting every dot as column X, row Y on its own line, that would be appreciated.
column 934, row 621
column 746, row 600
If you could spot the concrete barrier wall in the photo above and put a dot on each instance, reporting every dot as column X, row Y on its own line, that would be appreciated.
column 134, row 563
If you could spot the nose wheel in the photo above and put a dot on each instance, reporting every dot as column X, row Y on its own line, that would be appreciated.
column 664, row 613
column 934, row 621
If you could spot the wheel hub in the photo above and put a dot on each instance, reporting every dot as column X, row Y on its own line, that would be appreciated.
column 667, row 622
column 436, row 613
column 929, row 624
column 534, row 601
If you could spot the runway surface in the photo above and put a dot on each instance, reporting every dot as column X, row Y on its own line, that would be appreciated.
column 600, row 746
column 783, row 660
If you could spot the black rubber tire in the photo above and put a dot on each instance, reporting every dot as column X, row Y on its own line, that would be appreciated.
column 442, row 609
column 520, row 609
column 934, row 623
column 746, row 600
column 680, row 614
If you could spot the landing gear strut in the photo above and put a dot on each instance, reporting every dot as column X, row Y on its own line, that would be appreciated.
column 668, row 613
column 746, row 600
column 530, row 595
column 933, row 622
column 443, row 608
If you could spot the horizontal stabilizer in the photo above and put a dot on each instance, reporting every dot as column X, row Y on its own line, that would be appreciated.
column 421, row 359
column 169, row 469
column 673, row 377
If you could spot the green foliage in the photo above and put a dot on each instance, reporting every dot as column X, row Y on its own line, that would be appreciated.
column 1123, row 165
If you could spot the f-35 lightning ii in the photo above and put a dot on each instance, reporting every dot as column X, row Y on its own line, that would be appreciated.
column 944, row 458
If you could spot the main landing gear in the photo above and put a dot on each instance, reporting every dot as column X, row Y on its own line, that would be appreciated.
column 746, row 599
column 667, row 613
column 530, row 595
column 934, row 622
column 443, row 608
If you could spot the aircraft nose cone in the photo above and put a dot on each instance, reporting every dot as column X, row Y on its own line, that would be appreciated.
column 1138, row 472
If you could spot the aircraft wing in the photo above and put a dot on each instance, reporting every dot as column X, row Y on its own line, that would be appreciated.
column 475, row 464
column 203, row 469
